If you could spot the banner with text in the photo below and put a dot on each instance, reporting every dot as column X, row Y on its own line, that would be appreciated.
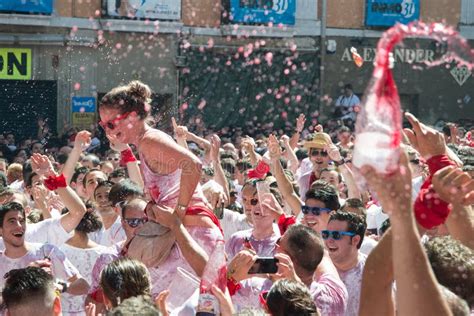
column 83, row 111
column 389, row 12
column 263, row 11
column 145, row 9
column 15, row 63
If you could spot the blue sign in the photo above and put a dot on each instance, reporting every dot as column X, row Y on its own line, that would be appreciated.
column 27, row 6
column 83, row 105
column 389, row 12
column 263, row 11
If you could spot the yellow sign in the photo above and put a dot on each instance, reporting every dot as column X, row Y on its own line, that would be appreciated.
column 15, row 63
column 83, row 120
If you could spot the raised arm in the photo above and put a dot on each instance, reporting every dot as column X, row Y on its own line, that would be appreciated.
column 418, row 292
column 335, row 155
column 377, row 280
column 180, row 133
column 248, row 144
column 456, row 187
column 295, row 138
column 81, row 143
column 219, row 175
column 133, row 167
column 283, row 183
column 290, row 153
column 200, row 141
column 42, row 166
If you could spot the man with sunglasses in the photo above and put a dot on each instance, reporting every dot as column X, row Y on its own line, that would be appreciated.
column 343, row 237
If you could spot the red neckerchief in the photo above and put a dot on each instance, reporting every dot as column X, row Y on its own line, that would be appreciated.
column 312, row 178
column 199, row 210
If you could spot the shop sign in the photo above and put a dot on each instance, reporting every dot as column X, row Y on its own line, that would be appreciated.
column 389, row 12
column 83, row 111
column 15, row 63
column 263, row 11
column 403, row 55
column 145, row 9
column 27, row 6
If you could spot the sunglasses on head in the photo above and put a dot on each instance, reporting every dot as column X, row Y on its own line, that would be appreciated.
column 135, row 222
column 314, row 210
column 112, row 124
column 335, row 234
column 316, row 152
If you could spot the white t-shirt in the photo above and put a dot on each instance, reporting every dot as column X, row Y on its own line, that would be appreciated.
column 233, row 222
column 61, row 267
column 375, row 217
column 111, row 236
column 367, row 245
column 352, row 279
column 49, row 231
column 84, row 260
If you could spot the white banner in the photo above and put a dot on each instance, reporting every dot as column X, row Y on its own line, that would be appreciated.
column 147, row 9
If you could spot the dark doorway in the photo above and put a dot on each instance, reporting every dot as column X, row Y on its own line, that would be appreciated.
column 23, row 102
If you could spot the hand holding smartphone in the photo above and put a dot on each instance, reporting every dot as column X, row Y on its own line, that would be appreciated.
column 264, row 265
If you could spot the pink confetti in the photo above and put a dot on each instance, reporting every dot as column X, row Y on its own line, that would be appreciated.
column 202, row 104
column 147, row 107
column 77, row 86
column 286, row 71
column 298, row 98
column 82, row 109
column 118, row 45
column 284, row 115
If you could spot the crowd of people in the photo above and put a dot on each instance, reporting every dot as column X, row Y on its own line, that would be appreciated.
column 191, row 223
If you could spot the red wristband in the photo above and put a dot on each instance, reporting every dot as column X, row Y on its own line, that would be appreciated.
column 233, row 286
column 54, row 182
column 127, row 156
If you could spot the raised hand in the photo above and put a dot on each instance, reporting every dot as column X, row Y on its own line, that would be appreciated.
column 300, row 123
column 426, row 140
column 274, row 149
column 179, row 131
column 333, row 152
column 215, row 147
column 393, row 190
column 115, row 144
column 454, row 186
column 83, row 140
column 41, row 165
column 271, row 206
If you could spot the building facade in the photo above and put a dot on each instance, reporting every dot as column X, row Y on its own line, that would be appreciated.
column 220, row 61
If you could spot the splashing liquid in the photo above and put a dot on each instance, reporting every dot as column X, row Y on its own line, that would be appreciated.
column 379, row 124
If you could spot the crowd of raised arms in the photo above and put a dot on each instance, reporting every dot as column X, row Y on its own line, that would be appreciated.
column 147, row 223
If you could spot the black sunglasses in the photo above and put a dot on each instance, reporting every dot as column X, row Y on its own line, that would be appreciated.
column 253, row 202
column 335, row 234
column 314, row 210
column 135, row 222
column 322, row 153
